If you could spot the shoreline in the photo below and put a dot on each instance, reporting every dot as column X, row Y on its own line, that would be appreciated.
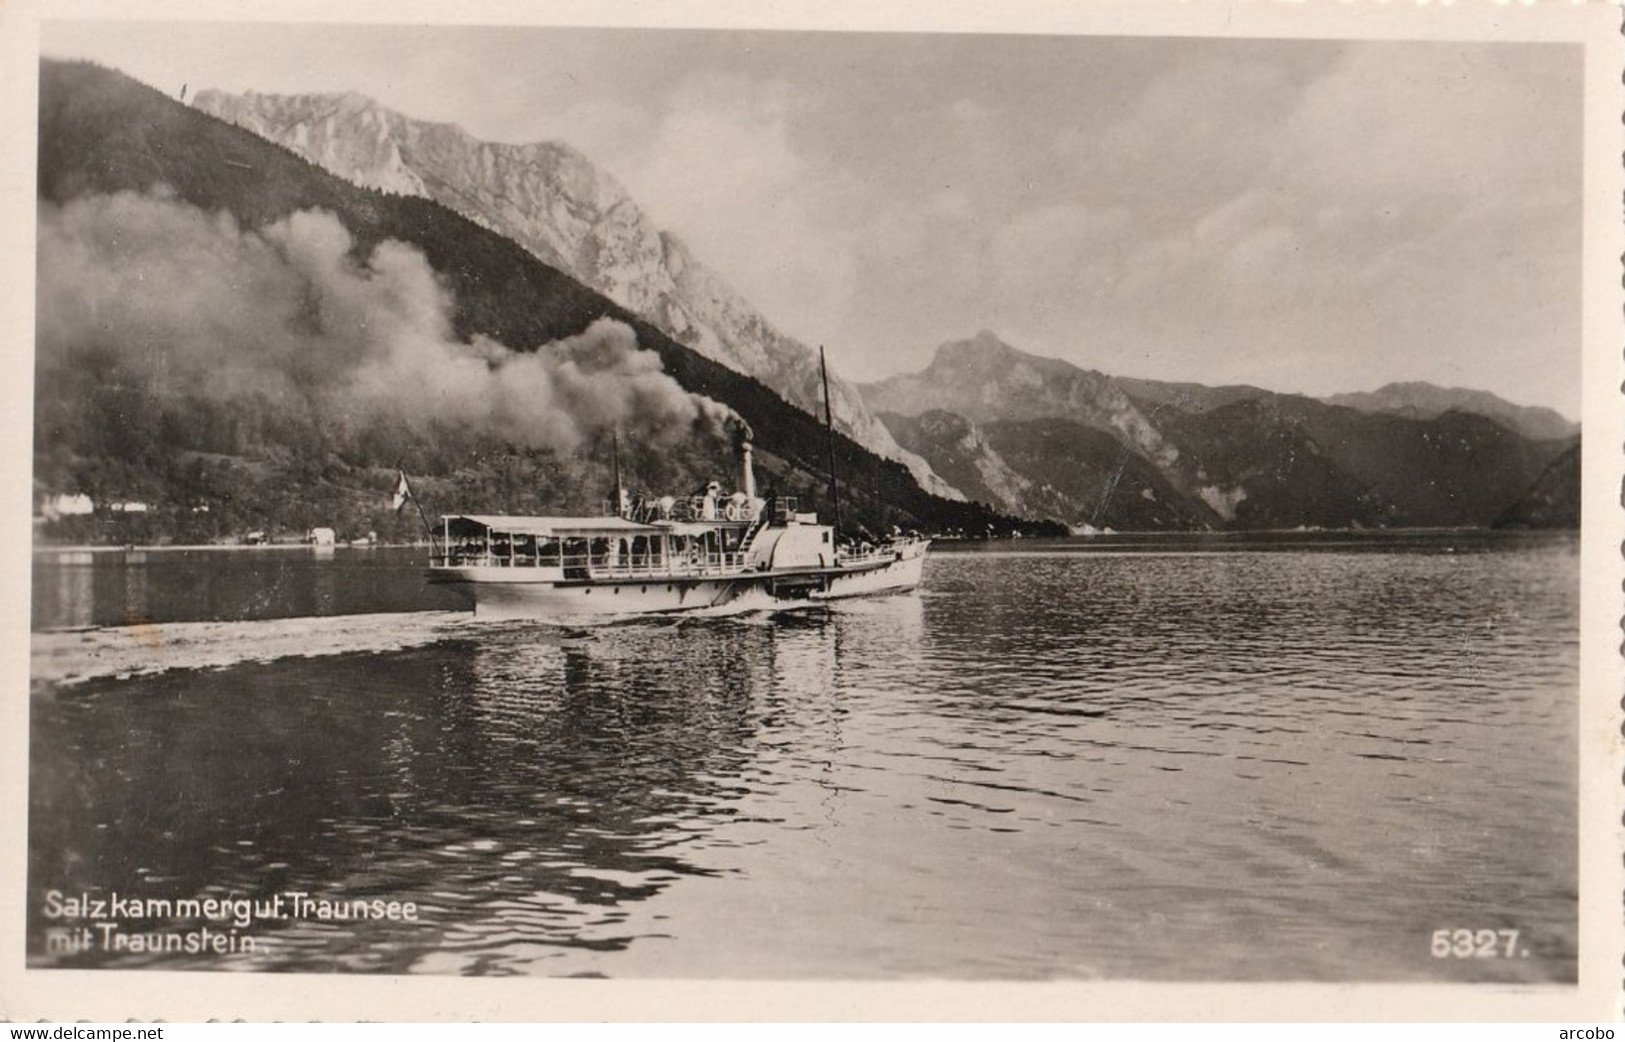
column 937, row 540
column 103, row 548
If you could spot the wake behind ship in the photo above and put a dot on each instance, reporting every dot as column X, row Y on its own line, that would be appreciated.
column 706, row 553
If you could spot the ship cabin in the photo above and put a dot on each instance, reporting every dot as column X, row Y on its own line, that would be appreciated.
column 654, row 541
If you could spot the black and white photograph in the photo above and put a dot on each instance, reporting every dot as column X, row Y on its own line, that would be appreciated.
column 856, row 499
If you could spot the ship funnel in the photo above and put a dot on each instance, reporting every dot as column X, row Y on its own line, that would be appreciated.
column 747, row 473
column 622, row 504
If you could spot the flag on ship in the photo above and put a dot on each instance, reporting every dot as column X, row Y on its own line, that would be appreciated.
column 403, row 492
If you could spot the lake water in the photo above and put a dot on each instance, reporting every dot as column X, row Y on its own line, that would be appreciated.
column 1181, row 759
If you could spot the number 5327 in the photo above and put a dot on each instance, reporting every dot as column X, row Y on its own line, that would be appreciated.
column 1476, row 944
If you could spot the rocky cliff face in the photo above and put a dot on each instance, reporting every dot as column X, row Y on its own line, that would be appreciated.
column 556, row 204
column 960, row 452
column 291, row 435
column 985, row 379
column 1051, row 468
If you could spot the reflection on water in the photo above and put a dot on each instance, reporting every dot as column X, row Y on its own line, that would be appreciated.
column 519, row 789
column 69, row 590
column 129, row 587
column 1201, row 766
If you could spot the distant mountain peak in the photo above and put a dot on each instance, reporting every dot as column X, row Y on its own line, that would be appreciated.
column 1417, row 399
column 1237, row 456
column 350, row 100
column 961, row 354
column 983, row 348
column 984, row 379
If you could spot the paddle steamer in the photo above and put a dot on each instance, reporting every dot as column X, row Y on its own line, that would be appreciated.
column 704, row 553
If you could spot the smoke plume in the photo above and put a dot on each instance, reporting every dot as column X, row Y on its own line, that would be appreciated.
column 162, row 295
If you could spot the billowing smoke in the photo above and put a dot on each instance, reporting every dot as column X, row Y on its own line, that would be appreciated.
column 181, row 302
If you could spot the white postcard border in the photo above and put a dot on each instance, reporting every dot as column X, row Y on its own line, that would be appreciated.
column 108, row 995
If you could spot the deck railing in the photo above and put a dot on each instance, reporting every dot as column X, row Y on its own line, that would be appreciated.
column 600, row 566
column 690, row 563
column 779, row 509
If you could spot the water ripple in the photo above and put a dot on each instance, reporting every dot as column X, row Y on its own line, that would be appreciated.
column 1249, row 765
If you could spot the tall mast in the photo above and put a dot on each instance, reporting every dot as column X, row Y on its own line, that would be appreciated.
column 829, row 440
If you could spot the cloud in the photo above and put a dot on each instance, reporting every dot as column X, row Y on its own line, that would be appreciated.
column 183, row 303
column 1399, row 211
column 1057, row 257
column 1200, row 130
column 718, row 165
column 1432, row 124
column 861, row 188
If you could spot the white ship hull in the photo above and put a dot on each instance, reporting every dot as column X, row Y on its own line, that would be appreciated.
column 501, row 593
column 899, row 576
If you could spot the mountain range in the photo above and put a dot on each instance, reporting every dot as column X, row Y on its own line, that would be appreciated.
column 557, row 204
column 468, row 250
column 1042, row 437
column 1425, row 401
column 237, row 338
column 1039, row 450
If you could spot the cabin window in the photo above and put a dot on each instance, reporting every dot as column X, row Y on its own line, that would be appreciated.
column 468, row 551
column 575, row 558
column 826, row 537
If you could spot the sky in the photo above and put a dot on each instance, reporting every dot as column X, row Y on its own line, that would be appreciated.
column 1312, row 216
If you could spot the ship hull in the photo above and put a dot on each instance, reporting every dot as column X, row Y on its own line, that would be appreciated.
column 899, row 576
column 498, row 594
column 504, row 593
